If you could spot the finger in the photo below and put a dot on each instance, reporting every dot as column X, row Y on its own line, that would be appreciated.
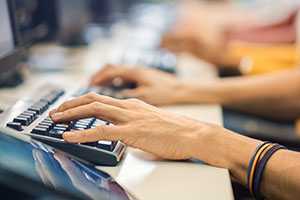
column 87, row 99
column 95, row 76
column 52, row 112
column 103, row 132
column 95, row 109
column 109, row 73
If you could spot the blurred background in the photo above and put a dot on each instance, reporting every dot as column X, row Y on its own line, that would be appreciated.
column 235, row 37
column 238, row 36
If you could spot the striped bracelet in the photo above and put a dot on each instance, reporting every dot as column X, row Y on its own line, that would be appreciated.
column 253, row 163
column 261, row 167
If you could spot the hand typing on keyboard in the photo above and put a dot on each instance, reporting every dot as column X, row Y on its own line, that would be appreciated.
column 136, row 124
column 152, row 86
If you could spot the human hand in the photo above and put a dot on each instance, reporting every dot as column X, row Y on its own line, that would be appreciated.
column 201, row 32
column 153, row 86
column 136, row 124
column 195, row 34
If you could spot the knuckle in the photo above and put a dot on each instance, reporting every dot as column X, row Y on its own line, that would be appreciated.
column 64, row 106
column 95, row 107
column 92, row 96
column 107, row 68
column 133, row 101
column 100, row 130
column 136, row 69
column 84, row 136
column 69, row 113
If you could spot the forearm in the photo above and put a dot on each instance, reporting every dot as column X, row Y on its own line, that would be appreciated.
column 274, row 95
column 281, row 177
column 226, row 149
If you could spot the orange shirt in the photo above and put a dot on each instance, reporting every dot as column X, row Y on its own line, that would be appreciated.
column 266, row 58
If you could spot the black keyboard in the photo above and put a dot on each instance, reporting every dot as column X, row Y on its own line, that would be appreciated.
column 30, row 115
column 158, row 58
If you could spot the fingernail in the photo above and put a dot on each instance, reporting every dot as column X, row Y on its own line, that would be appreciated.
column 68, row 134
column 57, row 115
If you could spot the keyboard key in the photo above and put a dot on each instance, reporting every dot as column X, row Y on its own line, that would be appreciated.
column 49, row 120
column 29, row 112
column 84, row 123
column 39, row 131
column 42, row 105
column 92, row 144
column 81, row 124
column 23, row 120
column 48, row 128
column 31, row 116
column 49, row 99
column 15, row 125
column 60, row 129
column 62, row 126
column 38, row 110
column 47, row 124
column 46, row 101
column 106, row 144
column 56, row 134
column 99, row 122
column 78, row 128
column 87, row 120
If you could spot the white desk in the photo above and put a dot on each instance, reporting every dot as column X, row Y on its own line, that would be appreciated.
column 142, row 174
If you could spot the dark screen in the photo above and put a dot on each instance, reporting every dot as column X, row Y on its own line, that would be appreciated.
column 42, row 164
column 6, row 39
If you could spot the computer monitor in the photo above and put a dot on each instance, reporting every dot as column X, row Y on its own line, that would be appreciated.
column 59, row 20
column 10, row 53
column 36, row 21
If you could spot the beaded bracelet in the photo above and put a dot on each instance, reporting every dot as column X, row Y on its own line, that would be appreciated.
column 261, row 167
column 253, row 164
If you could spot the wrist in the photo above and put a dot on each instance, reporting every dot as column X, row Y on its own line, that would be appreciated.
column 180, row 92
column 220, row 147
column 210, row 146
column 204, row 93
